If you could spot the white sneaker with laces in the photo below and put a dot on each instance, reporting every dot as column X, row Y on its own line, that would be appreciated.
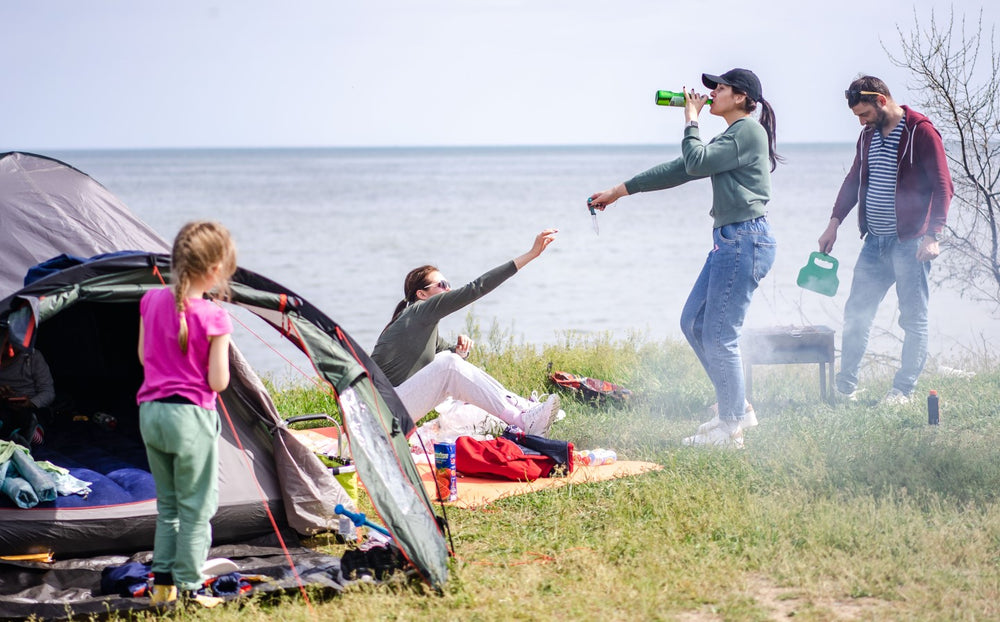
column 749, row 418
column 538, row 419
column 895, row 397
column 535, row 398
column 848, row 397
column 726, row 434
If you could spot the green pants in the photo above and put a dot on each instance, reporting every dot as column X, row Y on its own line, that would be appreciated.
column 182, row 447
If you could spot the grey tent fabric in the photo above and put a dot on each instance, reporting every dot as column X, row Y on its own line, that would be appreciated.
column 50, row 208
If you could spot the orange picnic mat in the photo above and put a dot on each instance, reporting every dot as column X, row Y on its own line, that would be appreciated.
column 475, row 492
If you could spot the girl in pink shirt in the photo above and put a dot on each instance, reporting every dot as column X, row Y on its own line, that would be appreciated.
column 184, row 348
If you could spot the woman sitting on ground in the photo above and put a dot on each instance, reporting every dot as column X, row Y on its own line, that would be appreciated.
column 426, row 370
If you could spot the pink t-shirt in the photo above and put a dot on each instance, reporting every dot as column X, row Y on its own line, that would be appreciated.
column 168, row 370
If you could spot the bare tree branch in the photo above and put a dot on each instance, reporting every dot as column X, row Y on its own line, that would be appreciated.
column 961, row 94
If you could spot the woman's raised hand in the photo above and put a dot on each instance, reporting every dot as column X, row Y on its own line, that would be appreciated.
column 542, row 241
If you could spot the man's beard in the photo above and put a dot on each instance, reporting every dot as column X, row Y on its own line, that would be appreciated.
column 881, row 119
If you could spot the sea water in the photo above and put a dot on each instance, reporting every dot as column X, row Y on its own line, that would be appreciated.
column 341, row 227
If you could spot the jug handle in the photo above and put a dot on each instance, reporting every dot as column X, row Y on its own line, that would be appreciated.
column 825, row 258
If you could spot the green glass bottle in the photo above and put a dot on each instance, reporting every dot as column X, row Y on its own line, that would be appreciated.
column 672, row 98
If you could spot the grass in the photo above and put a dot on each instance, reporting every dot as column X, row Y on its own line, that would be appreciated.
column 851, row 511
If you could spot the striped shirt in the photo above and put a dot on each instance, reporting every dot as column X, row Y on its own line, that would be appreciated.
column 880, row 202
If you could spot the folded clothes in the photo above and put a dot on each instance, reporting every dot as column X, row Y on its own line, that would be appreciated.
column 20, row 491
column 40, row 481
column 29, row 483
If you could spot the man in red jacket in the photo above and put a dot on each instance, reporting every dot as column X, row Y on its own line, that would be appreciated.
column 901, row 185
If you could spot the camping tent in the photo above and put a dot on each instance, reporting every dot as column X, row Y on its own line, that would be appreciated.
column 84, row 319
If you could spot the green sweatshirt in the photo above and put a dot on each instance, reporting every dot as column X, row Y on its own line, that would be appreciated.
column 736, row 160
column 408, row 344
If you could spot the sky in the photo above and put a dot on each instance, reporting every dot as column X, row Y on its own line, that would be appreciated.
column 343, row 73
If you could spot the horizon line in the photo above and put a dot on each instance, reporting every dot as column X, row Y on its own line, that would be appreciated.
column 379, row 147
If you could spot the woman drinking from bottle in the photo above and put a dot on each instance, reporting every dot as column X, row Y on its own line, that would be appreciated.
column 739, row 162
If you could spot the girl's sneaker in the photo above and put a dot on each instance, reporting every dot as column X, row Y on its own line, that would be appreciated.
column 199, row 597
column 162, row 595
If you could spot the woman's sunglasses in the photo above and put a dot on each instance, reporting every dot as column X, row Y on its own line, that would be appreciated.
column 443, row 284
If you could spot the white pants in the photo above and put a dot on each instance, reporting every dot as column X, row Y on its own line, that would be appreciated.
column 449, row 375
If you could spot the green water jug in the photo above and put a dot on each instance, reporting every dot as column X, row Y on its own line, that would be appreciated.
column 820, row 274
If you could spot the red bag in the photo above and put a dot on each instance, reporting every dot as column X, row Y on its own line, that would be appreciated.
column 499, row 458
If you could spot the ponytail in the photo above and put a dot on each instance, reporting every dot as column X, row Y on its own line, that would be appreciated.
column 415, row 281
column 399, row 309
column 768, row 121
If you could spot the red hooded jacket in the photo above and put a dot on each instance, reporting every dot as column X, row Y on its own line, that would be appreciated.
column 923, row 182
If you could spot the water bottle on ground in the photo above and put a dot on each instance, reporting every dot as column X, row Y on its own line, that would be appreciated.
column 933, row 412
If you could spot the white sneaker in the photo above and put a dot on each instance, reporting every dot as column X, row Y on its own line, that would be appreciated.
column 848, row 397
column 535, row 398
column 749, row 418
column 895, row 397
column 538, row 419
column 725, row 434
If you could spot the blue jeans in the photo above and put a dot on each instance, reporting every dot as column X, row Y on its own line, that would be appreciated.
column 885, row 260
column 714, row 312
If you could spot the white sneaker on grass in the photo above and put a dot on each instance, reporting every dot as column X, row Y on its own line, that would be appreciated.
column 728, row 433
column 538, row 419
column 749, row 418
column 895, row 397
column 848, row 397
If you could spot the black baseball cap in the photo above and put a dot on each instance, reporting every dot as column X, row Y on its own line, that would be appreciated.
column 743, row 79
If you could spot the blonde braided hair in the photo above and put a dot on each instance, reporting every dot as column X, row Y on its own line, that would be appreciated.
column 199, row 246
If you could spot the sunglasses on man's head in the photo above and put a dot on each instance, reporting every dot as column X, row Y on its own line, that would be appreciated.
column 443, row 284
column 852, row 94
